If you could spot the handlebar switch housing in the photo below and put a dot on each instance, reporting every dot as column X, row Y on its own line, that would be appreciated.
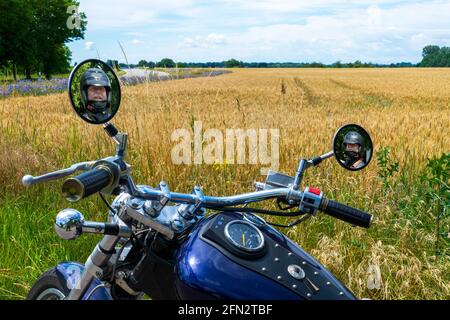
column 310, row 203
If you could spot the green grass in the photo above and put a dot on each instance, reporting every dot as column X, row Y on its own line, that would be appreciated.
column 28, row 242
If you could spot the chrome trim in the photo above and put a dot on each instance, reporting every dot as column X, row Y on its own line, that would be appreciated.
column 211, row 202
column 296, row 272
column 68, row 223
column 51, row 293
column 229, row 238
column 150, row 222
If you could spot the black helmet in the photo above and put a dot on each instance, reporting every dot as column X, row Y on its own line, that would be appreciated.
column 98, row 78
column 354, row 137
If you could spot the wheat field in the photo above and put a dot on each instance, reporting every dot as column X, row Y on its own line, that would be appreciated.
column 407, row 110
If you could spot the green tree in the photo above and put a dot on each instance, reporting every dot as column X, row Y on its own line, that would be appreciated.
column 34, row 33
column 233, row 63
column 434, row 56
column 52, row 28
column 430, row 50
column 14, row 27
column 142, row 63
column 166, row 63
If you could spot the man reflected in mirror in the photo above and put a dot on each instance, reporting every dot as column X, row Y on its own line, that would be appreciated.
column 95, row 89
column 354, row 150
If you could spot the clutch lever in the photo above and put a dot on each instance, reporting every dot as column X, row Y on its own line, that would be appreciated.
column 29, row 180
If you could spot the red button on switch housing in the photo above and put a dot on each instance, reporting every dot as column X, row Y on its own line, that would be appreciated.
column 315, row 191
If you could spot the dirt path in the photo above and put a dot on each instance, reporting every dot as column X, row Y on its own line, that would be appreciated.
column 136, row 72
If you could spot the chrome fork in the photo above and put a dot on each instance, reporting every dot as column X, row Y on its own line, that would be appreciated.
column 95, row 266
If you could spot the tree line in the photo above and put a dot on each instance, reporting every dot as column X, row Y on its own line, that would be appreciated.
column 34, row 33
column 434, row 56
column 233, row 63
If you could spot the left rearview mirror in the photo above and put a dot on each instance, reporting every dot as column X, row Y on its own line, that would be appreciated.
column 94, row 91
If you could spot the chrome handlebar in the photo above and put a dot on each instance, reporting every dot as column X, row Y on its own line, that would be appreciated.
column 213, row 202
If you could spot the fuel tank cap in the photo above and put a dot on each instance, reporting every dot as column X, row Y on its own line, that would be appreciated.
column 296, row 271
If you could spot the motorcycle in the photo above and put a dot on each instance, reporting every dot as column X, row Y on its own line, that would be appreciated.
column 163, row 244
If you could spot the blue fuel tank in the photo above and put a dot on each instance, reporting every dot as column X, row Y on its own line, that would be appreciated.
column 209, row 267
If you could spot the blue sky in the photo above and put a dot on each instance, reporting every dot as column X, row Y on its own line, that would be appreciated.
column 382, row 31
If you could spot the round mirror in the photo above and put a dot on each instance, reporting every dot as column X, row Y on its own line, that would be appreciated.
column 352, row 147
column 94, row 91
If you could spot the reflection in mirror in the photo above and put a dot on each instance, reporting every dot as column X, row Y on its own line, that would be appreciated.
column 352, row 147
column 94, row 91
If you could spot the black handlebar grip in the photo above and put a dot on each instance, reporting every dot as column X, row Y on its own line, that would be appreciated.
column 346, row 213
column 87, row 183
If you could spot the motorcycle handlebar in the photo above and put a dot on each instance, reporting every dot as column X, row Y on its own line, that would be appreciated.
column 87, row 183
column 346, row 213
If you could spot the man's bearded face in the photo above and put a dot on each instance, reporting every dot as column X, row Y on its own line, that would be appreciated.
column 352, row 147
column 96, row 93
column 352, row 150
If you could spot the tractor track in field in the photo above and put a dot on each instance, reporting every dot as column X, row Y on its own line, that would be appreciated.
column 372, row 98
column 311, row 98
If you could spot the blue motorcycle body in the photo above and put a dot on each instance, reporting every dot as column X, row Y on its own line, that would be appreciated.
column 206, row 271
column 203, row 269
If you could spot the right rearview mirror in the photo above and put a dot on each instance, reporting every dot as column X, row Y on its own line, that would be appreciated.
column 352, row 147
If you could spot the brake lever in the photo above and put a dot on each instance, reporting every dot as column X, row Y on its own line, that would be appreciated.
column 29, row 180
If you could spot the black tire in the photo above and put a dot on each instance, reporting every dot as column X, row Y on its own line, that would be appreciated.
column 49, row 286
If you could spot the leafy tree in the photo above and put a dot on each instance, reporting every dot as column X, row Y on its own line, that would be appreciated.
column 233, row 63
column 166, row 63
column 142, row 63
column 433, row 56
column 16, row 17
column 50, row 30
column 33, row 34
column 430, row 50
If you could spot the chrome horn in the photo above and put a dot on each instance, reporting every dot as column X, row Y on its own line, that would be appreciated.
column 68, row 224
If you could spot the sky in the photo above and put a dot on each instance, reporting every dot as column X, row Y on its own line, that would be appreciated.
column 327, row 31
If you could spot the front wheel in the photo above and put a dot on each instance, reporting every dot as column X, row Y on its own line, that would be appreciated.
column 49, row 286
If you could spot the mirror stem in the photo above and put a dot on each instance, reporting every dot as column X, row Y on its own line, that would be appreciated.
column 327, row 155
column 305, row 164
column 112, row 131
column 302, row 166
column 122, row 144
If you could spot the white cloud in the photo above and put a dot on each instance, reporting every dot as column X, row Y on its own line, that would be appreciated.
column 136, row 41
column 88, row 45
column 212, row 40
column 369, row 33
column 270, row 30
column 104, row 14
